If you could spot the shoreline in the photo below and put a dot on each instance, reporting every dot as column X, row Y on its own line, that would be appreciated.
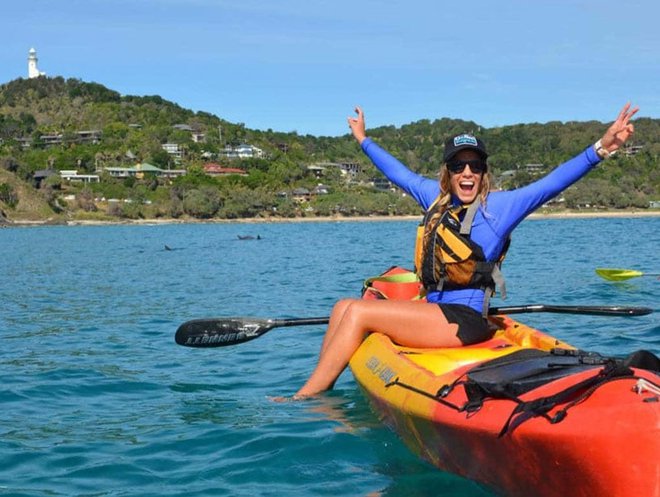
column 157, row 221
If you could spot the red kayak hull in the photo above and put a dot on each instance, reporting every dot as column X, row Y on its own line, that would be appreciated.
column 607, row 445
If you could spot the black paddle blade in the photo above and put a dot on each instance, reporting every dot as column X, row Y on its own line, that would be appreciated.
column 220, row 332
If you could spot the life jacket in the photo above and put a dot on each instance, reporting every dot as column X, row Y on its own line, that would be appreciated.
column 446, row 258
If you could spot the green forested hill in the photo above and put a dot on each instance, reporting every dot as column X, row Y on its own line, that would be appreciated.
column 133, row 129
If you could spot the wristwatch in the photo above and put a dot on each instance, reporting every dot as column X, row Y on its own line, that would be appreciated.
column 601, row 151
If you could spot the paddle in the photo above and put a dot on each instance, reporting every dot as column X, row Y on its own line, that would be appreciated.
column 621, row 274
column 220, row 332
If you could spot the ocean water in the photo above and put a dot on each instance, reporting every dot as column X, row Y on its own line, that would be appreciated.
column 97, row 399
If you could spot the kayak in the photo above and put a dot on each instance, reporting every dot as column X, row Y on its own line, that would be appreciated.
column 523, row 413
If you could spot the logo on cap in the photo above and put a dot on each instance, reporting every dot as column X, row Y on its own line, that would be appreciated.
column 465, row 140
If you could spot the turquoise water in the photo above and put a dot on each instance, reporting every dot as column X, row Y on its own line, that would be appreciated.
column 97, row 399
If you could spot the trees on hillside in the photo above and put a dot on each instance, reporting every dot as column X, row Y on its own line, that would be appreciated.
column 134, row 128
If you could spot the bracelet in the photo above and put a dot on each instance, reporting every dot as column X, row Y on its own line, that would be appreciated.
column 601, row 151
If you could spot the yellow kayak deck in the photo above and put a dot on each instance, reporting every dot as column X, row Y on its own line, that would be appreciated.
column 509, row 337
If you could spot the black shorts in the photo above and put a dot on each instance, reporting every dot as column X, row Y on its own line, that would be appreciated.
column 472, row 326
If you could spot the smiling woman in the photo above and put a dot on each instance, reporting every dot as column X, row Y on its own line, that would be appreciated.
column 465, row 172
column 459, row 249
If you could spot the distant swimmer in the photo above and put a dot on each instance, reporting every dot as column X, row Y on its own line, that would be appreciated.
column 248, row 237
column 167, row 247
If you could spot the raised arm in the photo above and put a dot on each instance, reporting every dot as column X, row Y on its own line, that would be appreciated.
column 423, row 190
column 515, row 205
column 358, row 128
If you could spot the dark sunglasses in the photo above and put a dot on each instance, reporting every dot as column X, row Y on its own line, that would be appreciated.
column 477, row 166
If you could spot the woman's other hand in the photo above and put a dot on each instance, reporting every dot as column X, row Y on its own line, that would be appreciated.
column 620, row 130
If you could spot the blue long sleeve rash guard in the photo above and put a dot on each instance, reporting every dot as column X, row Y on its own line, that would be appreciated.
column 503, row 212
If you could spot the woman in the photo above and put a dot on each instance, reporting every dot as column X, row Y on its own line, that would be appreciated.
column 454, row 312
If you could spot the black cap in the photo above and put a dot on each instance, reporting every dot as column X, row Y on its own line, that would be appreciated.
column 462, row 142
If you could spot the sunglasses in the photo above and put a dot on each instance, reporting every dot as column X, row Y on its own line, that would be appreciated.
column 477, row 166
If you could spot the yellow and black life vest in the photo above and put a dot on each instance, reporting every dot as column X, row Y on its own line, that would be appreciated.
column 447, row 258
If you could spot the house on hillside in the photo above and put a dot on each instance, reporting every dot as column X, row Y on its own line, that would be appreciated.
column 533, row 169
column 348, row 169
column 139, row 170
column 197, row 135
column 72, row 176
column 320, row 189
column 145, row 168
column 40, row 176
column 317, row 170
column 301, row 195
column 249, row 151
column 243, row 151
column 631, row 150
column 213, row 169
column 382, row 183
column 50, row 140
column 91, row 136
column 174, row 149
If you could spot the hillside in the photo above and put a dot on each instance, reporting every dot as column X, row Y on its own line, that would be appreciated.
column 29, row 205
column 57, row 124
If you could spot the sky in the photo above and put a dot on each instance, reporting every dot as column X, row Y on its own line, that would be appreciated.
column 303, row 65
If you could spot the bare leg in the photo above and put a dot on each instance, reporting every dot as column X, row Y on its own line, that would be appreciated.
column 412, row 324
column 336, row 317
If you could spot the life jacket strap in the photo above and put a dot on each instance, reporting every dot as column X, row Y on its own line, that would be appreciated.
column 488, row 293
column 466, row 224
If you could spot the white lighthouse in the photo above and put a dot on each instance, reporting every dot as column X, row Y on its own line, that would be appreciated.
column 33, row 70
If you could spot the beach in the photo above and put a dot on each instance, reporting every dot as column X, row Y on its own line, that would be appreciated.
column 536, row 215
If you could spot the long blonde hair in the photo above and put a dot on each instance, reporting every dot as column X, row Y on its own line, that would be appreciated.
column 445, row 187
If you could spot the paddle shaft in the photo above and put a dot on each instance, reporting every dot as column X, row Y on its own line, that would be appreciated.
column 299, row 321
column 220, row 332
column 593, row 310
